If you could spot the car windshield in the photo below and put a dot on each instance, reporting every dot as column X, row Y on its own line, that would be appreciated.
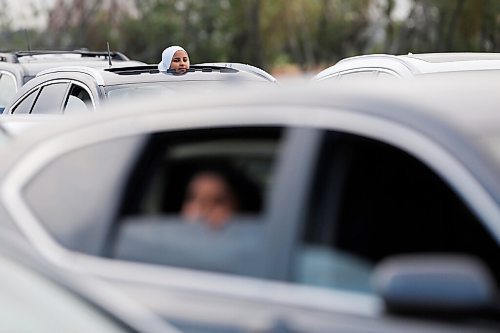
column 130, row 91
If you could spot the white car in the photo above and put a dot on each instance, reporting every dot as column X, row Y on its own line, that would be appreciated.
column 375, row 66
column 17, row 68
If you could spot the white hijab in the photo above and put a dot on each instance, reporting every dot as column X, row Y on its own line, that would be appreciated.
column 166, row 57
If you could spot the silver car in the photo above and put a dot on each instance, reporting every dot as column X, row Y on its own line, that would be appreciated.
column 379, row 207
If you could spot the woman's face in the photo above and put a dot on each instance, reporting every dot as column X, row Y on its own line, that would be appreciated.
column 209, row 198
column 180, row 62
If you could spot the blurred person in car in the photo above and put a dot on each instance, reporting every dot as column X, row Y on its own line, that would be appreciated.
column 174, row 59
column 215, row 195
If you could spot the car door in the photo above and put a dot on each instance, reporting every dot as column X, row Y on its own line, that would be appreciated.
column 244, row 277
column 46, row 98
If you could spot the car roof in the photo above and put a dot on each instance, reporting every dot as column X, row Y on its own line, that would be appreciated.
column 33, row 62
column 44, row 55
column 149, row 73
column 415, row 64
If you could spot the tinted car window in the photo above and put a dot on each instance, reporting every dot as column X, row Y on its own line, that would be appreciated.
column 135, row 190
column 26, row 104
column 7, row 89
column 50, row 99
column 371, row 201
column 78, row 101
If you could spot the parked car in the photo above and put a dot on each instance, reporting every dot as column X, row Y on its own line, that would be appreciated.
column 381, row 66
column 379, row 209
column 17, row 68
column 37, row 298
column 81, row 89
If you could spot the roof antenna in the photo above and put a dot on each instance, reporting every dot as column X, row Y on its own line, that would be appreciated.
column 27, row 35
column 109, row 56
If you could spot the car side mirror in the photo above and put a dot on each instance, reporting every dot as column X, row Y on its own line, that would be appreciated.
column 434, row 284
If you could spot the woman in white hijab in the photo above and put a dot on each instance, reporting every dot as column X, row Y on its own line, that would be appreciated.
column 174, row 59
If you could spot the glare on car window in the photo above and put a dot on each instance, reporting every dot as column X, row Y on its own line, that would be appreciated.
column 130, row 92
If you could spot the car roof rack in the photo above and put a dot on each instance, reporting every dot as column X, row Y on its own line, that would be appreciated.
column 242, row 67
column 153, row 69
column 13, row 57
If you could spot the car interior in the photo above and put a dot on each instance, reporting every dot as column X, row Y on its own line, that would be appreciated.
column 150, row 217
column 371, row 201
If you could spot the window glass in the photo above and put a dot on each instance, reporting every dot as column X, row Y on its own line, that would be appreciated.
column 160, row 198
column 7, row 89
column 26, row 78
column 50, row 98
column 26, row 104
column 78, row 100
column 372, row 201
column 132, row 91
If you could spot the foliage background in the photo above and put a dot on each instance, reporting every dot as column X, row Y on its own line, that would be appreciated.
column 272, row 34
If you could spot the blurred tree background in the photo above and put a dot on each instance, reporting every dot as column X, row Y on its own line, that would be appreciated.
column 272, row 34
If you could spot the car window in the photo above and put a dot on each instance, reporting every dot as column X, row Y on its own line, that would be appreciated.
column 7, row 89
column 140, row 198
column 27, row 78
column 50, row 99
column 371, row 201
column 78, row 100
column 26, row 104
column 132, row 91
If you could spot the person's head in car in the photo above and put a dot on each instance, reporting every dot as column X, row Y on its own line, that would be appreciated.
column 174, row 59
column 215, row 194
column 210, row 198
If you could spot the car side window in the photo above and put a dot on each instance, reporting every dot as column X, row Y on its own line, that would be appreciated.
column 371, row 201
column 26, row 104
column 164, row 198
column 50, row 99
column 78, row 100
column 7, row 89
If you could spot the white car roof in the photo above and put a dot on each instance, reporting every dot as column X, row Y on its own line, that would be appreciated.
column 415, row 64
